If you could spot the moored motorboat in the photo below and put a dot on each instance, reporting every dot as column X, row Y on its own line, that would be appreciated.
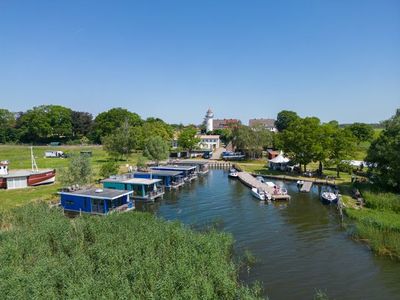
column 260, row 194
column 233, row 173
column 300, row 183
column 329, row 198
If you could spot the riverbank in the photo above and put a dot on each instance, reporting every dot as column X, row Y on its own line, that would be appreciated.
column 378, row 223
column 130, row 255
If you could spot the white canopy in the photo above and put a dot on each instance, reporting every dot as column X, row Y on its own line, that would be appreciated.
column 280, row 159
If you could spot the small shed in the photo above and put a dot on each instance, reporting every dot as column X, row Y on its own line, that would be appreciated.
column 96, row 201
column 279, row 163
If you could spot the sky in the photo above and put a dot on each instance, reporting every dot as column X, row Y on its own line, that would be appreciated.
column 337, row 60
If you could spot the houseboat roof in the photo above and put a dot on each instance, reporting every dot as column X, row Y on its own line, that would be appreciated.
column 174, row 167
column 108, row 194
column 161, row 173
column 191, row 162
column 144, row 181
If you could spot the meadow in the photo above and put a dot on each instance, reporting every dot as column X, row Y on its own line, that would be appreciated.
column 19, row 157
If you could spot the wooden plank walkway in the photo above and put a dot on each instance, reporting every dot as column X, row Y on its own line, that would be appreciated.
column 251, row 182
column 306, row 186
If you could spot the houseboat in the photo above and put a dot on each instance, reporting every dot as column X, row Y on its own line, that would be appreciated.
column 169, row 179
column 96, row 201
column 143, row 188
column 188, row 172
column 17, row 179
column 201, row 165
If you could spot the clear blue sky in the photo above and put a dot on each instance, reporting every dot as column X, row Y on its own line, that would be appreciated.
column 174, row 59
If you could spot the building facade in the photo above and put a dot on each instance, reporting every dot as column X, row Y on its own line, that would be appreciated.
column 266, row 123
column 210, row 142
column 225, row 123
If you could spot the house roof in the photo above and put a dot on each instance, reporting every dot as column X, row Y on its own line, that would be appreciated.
column 204, row 136
column 98, row 193
column 144, row 181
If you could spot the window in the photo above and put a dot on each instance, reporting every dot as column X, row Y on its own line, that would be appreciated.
column 69, row 202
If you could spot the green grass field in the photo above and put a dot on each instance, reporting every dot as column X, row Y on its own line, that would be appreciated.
column 20, row 158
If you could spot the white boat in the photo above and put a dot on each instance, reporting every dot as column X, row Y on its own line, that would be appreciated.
column 260, row 179
column 260, row 194
column 329, row 198
column 270, row 183
column 233, row 173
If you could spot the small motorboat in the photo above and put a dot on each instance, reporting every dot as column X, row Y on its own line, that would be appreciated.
column 260, row 194
column 260, row 179
column 300, row 183
column 233, row 173
column 329, row 198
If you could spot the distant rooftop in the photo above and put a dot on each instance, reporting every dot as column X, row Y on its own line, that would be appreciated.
column 123, row 179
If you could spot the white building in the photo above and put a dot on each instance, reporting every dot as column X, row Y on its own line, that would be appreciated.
column 208, row 120
column 211, row 142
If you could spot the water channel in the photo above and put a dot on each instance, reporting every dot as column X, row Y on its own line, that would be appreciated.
column 300, row 245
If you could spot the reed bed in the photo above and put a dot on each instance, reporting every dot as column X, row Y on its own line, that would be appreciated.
column 129, row 256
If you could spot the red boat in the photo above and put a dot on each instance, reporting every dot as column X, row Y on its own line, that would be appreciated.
column 24, row 178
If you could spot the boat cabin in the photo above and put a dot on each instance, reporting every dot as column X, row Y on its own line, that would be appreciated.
column 188, row 172
column 96, row 201
column 201, row 165
column 169, row 179
column 143, row 188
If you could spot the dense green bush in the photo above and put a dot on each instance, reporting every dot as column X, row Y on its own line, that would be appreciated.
column 129, row 256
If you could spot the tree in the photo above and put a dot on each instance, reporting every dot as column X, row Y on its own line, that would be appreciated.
column 284, row 118
column 225, row 134
column 81, row 123
column 122, row 142
column 44, row 123
column 301, row 140
column 187, row 138
column 342, row 144
column 384, row 154
column 107, row 122
column 251, row 140
column 156, row 149
column 363, row 132
column 79, row 171
column 109, row 168
column 157, row 127
column 7, row 124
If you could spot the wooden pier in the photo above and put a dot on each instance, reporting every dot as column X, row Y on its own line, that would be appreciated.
column 250, row 181
column 306, row 187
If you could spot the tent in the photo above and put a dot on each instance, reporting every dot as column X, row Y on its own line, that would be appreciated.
column 278, row 163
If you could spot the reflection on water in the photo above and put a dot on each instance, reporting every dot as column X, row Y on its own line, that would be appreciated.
column 300, row 245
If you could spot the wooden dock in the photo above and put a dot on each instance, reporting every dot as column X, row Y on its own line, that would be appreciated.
column 306, row 187
column 250, row 181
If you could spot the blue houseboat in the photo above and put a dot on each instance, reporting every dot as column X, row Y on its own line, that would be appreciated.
column 169, row 179
column 96, row 201
column 189, row 172
column 143, row 188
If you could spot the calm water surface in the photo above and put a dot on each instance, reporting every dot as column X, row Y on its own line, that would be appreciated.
column 299, row 245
